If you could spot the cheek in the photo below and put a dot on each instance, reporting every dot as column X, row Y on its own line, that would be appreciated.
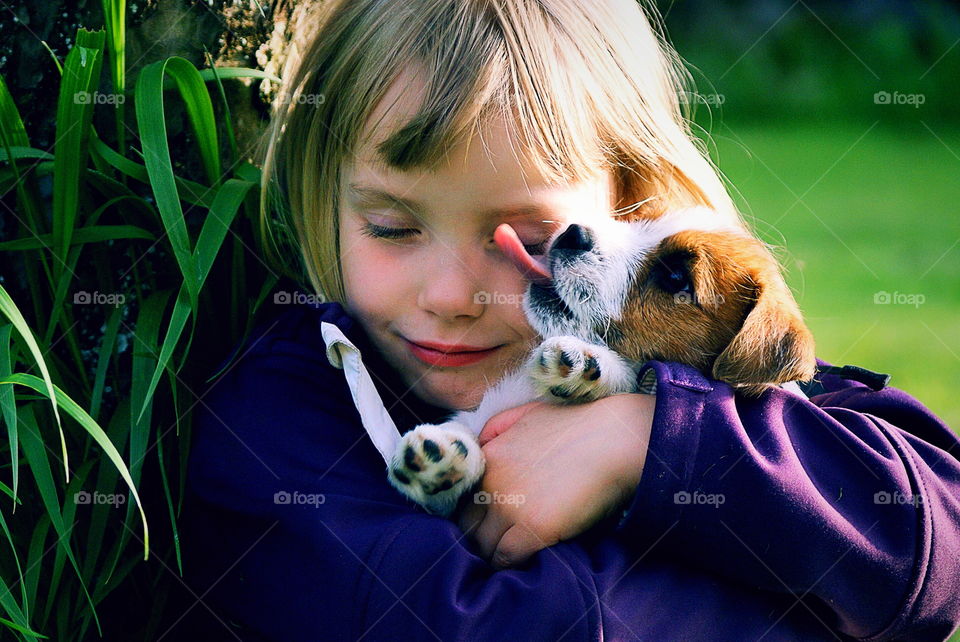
column 371, row 280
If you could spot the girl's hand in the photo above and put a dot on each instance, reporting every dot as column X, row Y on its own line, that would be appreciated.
column 553, row 471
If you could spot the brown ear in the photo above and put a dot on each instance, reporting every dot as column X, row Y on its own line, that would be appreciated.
column 772, row 347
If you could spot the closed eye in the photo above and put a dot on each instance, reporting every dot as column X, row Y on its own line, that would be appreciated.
column 537, row 249
column 381, row 232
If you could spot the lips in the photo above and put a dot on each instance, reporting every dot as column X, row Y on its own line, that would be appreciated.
column 447, row 358
column 509, row 243
column 449, row 347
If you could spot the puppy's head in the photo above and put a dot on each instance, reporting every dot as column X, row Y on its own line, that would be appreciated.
column 680, row 288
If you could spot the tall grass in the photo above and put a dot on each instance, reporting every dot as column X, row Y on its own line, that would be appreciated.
column 113, row 265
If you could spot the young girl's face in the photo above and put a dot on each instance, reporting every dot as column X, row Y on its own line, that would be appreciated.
column 420, row 264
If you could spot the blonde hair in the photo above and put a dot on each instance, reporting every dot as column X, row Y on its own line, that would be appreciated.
column 590, row 85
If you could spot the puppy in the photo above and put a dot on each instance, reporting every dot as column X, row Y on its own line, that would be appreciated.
column 606, row 298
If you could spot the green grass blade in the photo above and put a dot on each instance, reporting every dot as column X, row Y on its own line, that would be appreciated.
column 12, row 131
column 80, row 79
column 196, row 98
column 189, row 191
column 9, row 310
column 117, row 431
column 107, row 343
column 222, row 213
column 23, row 618
column 166, row 483
column 16, row 152
column 54, row 591
column 224, row 73
column 82, row 235
column 146, row 339
column 95, row 431
column 9, row 493
column 35, row 556
column 20, row 629
column 35, row 451
column 114, row 18
column 227, row 120
column 9, row 408
column 156, row 152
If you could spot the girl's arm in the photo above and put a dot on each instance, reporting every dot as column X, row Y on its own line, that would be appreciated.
column 849, row 503
column 292, row 529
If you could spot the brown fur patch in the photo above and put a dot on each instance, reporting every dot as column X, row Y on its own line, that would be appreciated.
column 743, row 324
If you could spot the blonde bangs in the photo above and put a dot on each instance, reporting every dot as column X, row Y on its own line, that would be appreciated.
column 584, row 88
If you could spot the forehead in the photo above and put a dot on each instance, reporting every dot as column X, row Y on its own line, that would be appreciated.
column 488, row 156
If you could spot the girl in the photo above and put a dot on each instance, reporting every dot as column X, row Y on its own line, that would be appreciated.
column 408, row 132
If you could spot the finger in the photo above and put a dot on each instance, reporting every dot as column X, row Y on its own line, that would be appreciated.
column 501, row 422
column 515, row 547
column 490, row 531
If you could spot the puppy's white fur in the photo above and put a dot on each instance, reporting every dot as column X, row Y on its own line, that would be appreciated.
column 593, row 289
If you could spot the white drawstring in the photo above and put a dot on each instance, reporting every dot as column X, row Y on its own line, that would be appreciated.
column 345, row 356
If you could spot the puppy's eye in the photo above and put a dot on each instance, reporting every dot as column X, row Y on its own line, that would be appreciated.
column 671, row 273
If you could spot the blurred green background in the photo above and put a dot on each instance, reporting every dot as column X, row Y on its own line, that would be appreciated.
column 837, row 126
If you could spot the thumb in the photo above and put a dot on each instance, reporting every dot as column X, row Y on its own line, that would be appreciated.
column 516, row 546
column 503, row 421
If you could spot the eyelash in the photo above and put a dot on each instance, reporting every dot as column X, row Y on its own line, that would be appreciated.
column 392, row 233
column 380, row 232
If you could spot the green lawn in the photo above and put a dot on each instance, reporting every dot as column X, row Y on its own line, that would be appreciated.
column 859, row 211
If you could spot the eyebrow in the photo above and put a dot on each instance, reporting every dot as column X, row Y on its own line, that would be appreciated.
column 373, row 196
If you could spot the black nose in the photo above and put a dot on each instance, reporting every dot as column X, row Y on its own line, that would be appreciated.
column 575, row 238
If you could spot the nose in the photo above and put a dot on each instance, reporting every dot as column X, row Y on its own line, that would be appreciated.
column 449, row 287
column 575, row 238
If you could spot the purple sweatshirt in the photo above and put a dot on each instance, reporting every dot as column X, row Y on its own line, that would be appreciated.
column 779, row 518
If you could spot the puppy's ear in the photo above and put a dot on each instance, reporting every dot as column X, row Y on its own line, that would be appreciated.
column 773, row 346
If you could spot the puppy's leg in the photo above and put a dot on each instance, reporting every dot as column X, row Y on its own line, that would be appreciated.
column 435, row 464
column 566, row 369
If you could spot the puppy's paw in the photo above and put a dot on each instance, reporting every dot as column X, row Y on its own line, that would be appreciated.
column 435, row 464
column 568, row 369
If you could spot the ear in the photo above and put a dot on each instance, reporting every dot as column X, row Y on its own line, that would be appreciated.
column 772, row 347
